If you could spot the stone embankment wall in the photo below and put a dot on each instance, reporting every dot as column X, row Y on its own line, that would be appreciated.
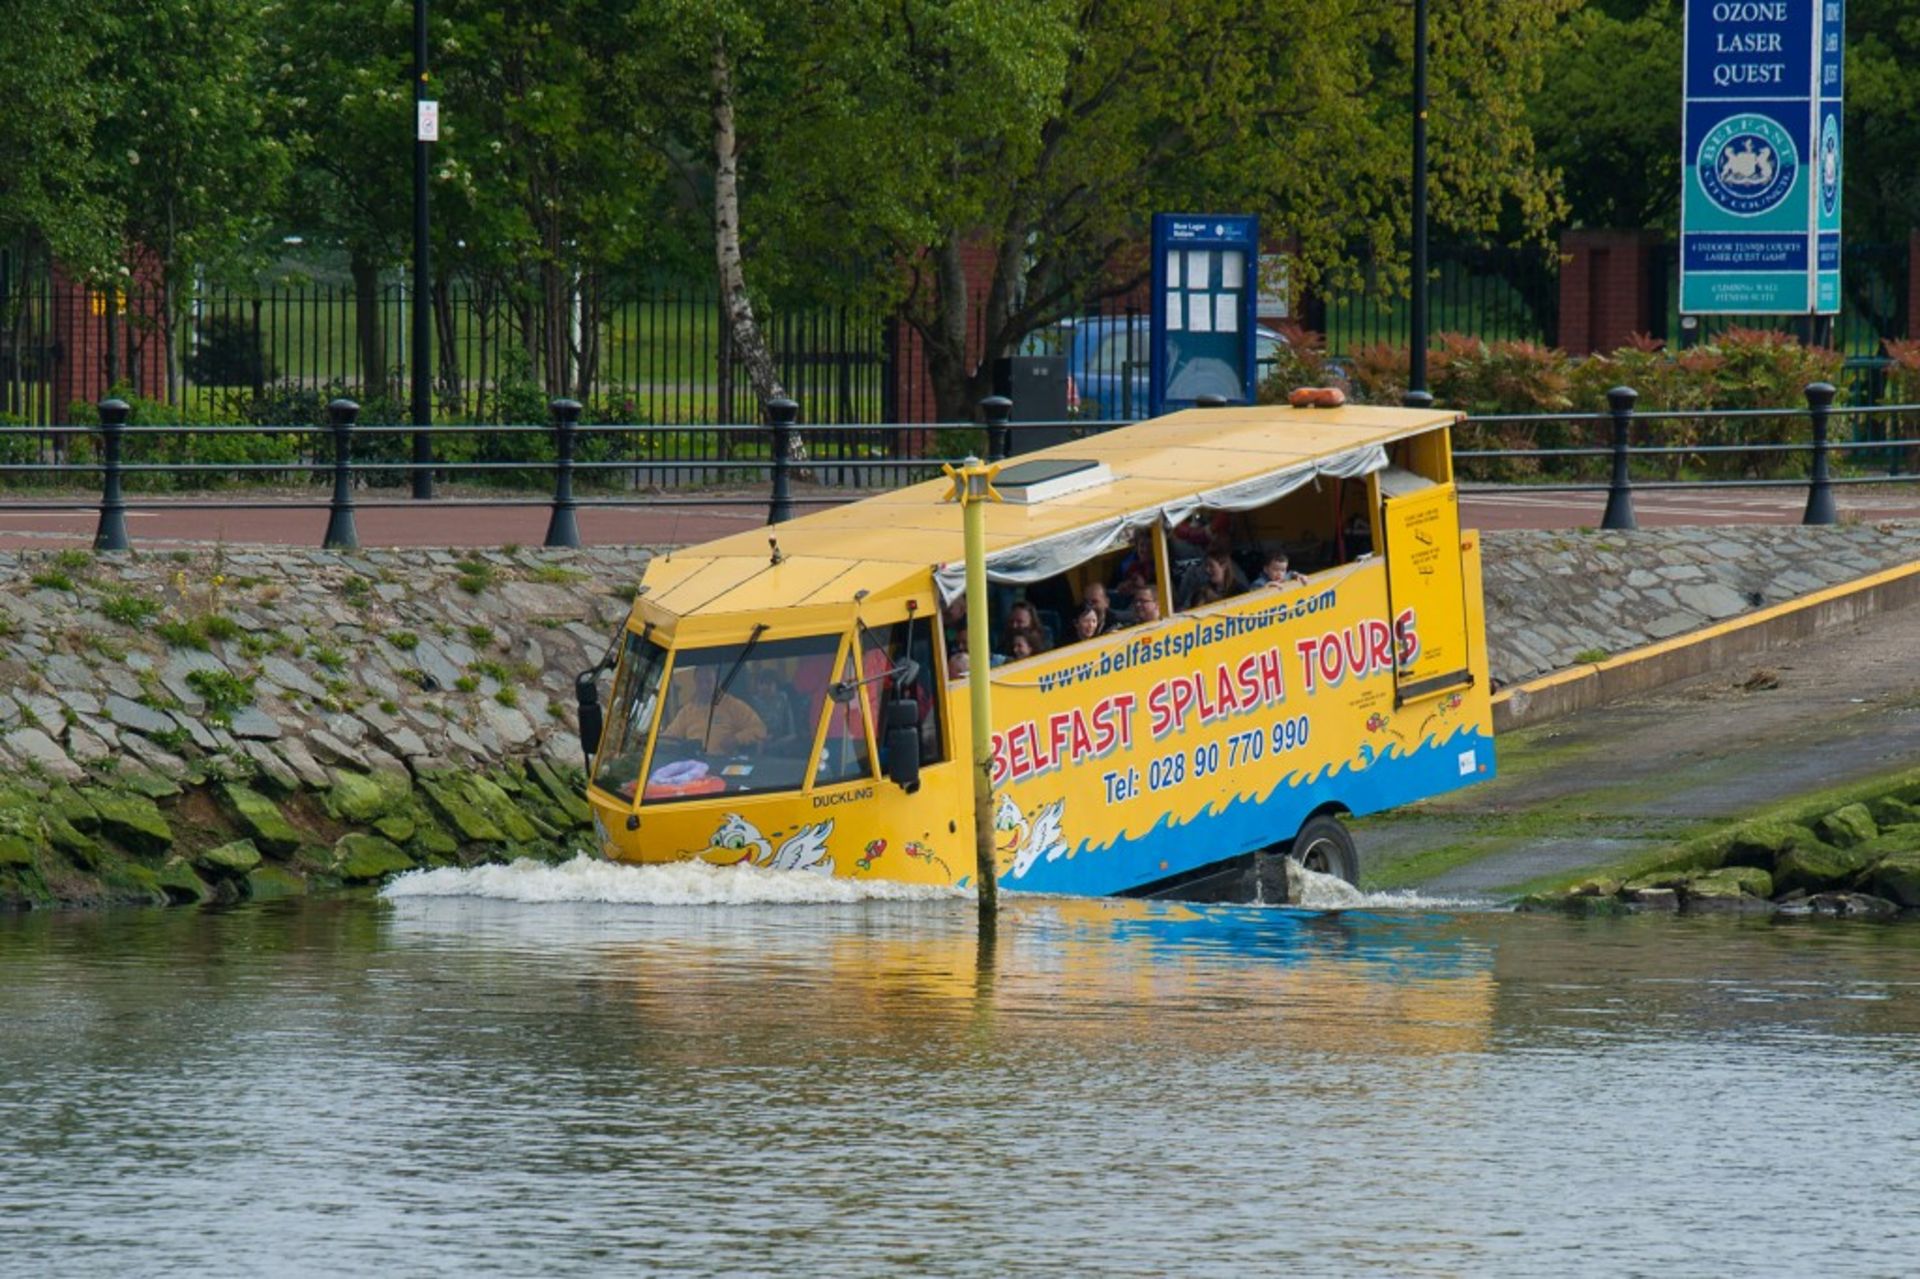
column 1557, row 599
column 223, row 723
column 205, row 724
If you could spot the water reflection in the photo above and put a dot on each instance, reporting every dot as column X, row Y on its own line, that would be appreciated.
column 453, row 1085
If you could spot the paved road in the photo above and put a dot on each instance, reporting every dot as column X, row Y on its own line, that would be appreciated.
column 446, row 523
column 1632, row 776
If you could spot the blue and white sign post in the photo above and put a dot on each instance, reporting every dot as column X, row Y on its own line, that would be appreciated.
column 1760, row 201
column 1204, row 309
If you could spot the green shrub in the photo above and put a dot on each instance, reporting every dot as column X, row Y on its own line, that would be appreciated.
column 223, row 692
column 128, row 609
column 405, row 641
column 52, row 579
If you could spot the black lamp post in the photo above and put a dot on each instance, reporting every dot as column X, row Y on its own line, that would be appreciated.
column 422, row 286
column 1417, row 326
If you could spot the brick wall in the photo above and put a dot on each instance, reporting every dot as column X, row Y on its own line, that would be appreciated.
column 80, row 332
column 1913, row 283
column 1605, row 288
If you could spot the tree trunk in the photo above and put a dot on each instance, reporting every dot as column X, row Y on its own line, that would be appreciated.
column 369, row 328
column 451, row 376
column 958, row 383
column 749, row 342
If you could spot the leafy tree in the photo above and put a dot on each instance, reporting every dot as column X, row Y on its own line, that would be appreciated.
column 46, row 134
column 181, row 152
column 1294, row 109
column 536, row 174
column 344, row 108
column 1609, row 116
column 1882, row 119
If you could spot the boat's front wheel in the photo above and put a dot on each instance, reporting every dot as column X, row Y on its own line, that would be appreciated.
column 1324, row 846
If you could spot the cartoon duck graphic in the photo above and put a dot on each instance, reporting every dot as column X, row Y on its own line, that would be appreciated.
column 1025, row 840
column 739, row 840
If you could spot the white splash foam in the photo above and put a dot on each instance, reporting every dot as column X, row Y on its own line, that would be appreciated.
column 1315, row 891
column 588, row 879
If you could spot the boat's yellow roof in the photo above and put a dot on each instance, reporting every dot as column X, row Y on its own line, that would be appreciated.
column 888, row 543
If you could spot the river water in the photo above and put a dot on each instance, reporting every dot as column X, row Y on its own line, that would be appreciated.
column 590, row 1069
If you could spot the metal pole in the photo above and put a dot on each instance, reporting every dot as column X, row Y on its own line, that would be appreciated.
column 1619, row 514
column 422, row 283
column 111, row 534
column 1820, row 505
column 973, row 488
column 341, row 533
column 782, row 413
column 1417, row 335
column 997, row 412
column 562, row 528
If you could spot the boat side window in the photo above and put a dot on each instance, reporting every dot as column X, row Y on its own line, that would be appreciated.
column 636, row 696
column 844, row 756
column 740, row 718
column 887, row 646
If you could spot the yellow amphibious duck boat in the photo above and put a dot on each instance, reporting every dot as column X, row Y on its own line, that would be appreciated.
column 795, row 697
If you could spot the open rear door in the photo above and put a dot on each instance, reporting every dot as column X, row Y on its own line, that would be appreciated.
column 1420, row 523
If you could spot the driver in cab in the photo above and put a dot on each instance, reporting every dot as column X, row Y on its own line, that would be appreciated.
column 723, row 726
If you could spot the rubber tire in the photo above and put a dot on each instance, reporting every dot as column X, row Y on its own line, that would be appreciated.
column 1324, row 845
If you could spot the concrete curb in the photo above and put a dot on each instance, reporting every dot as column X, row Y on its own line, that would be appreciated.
column 1707, row 649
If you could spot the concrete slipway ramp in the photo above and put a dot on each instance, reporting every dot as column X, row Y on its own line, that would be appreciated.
column 1612, row 759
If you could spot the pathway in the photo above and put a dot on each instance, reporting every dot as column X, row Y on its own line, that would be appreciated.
column 1628, row 777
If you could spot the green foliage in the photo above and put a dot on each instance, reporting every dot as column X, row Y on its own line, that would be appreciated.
column 223, row 692
column 480, row 636
column 476, row 575
column 1741, row 369
column 331, row 658
column 466, row 684
column 52, row 579
column 197, row 632
column 507, row 696
column 405, row 641
column 128, row 609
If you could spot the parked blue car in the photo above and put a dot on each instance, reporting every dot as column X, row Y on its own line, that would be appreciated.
column 1107, row 358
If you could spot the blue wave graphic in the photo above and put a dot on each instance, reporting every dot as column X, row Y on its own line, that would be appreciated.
column 1384, row 780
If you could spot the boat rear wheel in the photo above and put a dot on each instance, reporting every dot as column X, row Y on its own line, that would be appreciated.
column 1324, row 846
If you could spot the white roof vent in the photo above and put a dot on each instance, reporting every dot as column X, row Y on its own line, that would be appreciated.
column 1044, row 479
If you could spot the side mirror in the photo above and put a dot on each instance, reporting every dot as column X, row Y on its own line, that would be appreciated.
column 586, row 692
column 903, row 743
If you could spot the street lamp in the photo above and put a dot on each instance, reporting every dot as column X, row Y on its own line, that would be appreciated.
column 426, row 129
column 1417, row 395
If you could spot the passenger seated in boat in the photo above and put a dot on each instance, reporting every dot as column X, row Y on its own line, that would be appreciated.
column 1278, row 571
column 723, row 727
column 1216, row 577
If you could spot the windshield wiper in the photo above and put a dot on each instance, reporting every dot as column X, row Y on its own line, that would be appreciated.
column 720, row 689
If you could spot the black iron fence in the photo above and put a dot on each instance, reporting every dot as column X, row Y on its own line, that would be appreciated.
column 581, row 465
column 654, row 351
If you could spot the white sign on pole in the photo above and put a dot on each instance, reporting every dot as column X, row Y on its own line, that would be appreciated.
column 428, row 121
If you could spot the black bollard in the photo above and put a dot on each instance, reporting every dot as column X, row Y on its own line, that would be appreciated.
column 341, row 534
column 1210, row 401
column 782, row 413
column 1619, row 514
column 562, row 528
column 1820, row 506
column 997, row 412
column 1417, row 400
column 111, row 535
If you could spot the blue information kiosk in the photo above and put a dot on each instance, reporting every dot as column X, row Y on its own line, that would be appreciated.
column 1203, row 313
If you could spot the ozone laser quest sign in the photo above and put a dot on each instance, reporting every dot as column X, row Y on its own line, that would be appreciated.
column 1760, row 199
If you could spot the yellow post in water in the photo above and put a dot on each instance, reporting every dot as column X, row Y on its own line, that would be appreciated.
column 973, row 489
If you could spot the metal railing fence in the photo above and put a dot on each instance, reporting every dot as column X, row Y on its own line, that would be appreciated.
column 1616, row 452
